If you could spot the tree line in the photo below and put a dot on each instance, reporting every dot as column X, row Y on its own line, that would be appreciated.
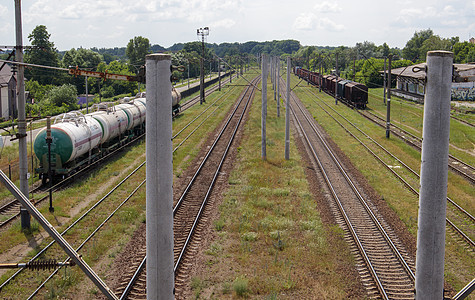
column 364, row 61
column 54, row 91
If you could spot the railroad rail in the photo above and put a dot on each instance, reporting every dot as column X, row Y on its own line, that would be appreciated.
column 94, row 207
column 190, row 207
column 455, row 164
column 11, row 210
column 385, row 268
column 458, row 219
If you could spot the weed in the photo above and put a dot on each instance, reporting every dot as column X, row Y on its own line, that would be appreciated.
column 214, row 249
column 219, row 224
column 249, row 236
column 226, row 289
column 240, row 286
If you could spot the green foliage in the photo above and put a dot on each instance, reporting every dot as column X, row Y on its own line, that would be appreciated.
column 43, row 54
column 370, row 68
column 84, row 59
column 37, row 91
column 412, row 51
column 464, row 52
column 240, row 287
column 136, row 50
column 65, row 95
column 110, row 88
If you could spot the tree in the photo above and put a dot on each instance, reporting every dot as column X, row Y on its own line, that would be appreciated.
column 44, row 53
column 84, row 59
column 464, row 52
column 136, row 50
column 65, row 95
column 366, row 49
column 412, row 50
column 384, row 50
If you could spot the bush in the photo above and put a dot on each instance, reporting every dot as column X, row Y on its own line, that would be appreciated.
column 64, row 95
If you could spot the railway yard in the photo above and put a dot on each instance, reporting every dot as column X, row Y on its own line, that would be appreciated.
column 336, row 221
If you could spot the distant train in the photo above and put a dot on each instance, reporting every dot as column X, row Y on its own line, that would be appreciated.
column 350, row 92
column 78, row 140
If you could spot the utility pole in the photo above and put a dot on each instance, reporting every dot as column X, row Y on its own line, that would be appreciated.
column 202, row 32
column 278, row 86
column 388, row 105
column 336, row 79
column 23, row 154
column 384, row 82
column 265, row 61
column 287, row 114
column 434, row 167
column 219, row 74
column 159, row 175
column 87, row 97
column 320, row 76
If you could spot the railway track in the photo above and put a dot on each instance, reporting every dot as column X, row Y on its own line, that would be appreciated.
column 196, row 99
column 386, row 269
column 11, row 209
column 190, row 208
column 45, row 250
column 455, row 164
column 460, row 221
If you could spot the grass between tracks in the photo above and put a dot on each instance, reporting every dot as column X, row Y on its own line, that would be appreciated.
column 72, row 202
column 409, row 115
column 459, row 263
column 269, row 240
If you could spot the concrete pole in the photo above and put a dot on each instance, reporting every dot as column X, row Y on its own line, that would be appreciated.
column 159, row 175
column 336, row 80
column 434, row 168
column 219, row 74
column 274, row 73
column 388, row 102
column 384, row 82
column 87, row 98
column 278, row 86
column 231, row 70
column 320, row 76
column 287, row 114
column 265, row 62
column 23, row 151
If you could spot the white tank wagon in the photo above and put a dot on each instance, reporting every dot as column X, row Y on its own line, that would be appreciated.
column 73, row 135
column 114, row 123
column 79, row 139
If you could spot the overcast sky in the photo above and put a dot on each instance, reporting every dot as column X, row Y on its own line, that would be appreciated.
column 112, row 23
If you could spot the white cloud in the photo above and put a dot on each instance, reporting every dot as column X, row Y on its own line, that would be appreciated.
column 305, row 21
column 224, row 23
column 3, row 11
column 327, row 24
column 327, row 7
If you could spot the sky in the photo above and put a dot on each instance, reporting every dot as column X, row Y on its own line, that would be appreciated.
column 112, row 23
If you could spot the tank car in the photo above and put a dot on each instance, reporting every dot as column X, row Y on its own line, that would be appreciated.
column 73, row 135
column 79, row 139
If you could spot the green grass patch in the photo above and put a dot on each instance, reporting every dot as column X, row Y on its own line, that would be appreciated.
column 409, row 116
column 272, row 241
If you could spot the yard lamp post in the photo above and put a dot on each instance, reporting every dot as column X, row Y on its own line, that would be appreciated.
column 202, row 32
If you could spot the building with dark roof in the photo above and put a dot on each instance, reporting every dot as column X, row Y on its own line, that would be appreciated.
column 8, row 99
column 410, row 82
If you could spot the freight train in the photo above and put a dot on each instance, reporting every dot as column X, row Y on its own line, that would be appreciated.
column 352, row 93
column 77, row 140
